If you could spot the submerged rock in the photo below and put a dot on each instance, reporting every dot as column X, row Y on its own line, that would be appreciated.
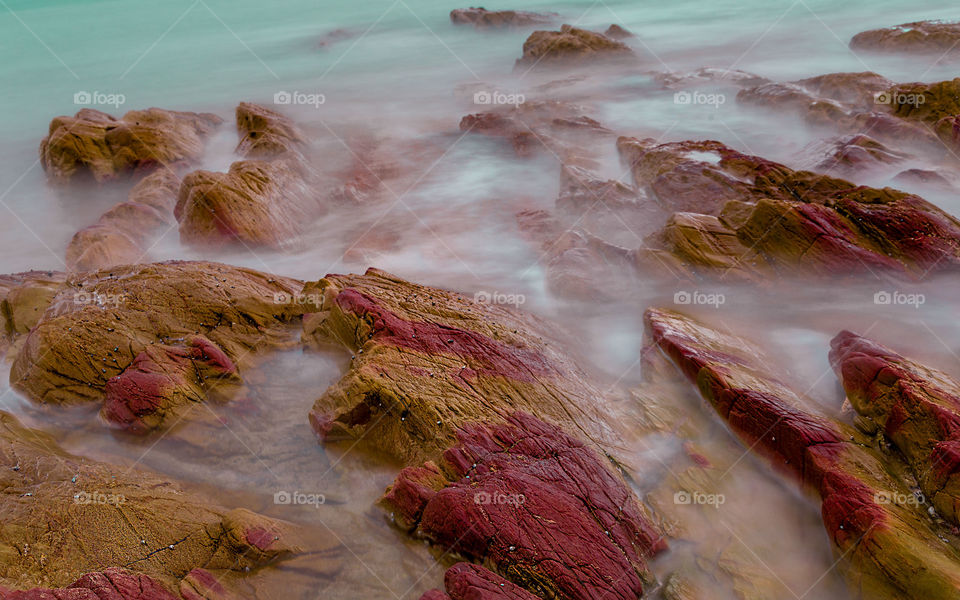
column 570, row 46
column 427, row 361
column 537, row 504
column 95, row 144
column 103, row 329
column 889, row 545
column 916, row 407
column 465, row 581
column 482, row 18
column 923, row 37
column 64, row 516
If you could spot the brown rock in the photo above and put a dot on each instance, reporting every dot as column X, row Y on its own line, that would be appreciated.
column 482, row 18
column 95, row 144
column 570, row 46
column 923, row 37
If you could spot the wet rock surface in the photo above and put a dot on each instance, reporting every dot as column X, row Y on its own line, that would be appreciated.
column 924, row 37
column 916, row 407
column 102, row 147
column 571, row 46
column 465, row 581
column 65, row 516
column 99, row 325
column 893, row 546
column 482, row 18
column 427, row 361
column 494, row 490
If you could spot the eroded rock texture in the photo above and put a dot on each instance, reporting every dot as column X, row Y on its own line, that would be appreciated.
column 466, row 581
column 482, row 18
column 64, row 516
column 97, row 145
column 571, row 46
column 427, row 361
column 924, row 37
column 916, row 407
column 539, row 505
column 890, row 543
column 154, row 332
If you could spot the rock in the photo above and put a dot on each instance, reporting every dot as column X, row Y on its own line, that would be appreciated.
column 266, row 201
column 482, row 18
column 255, row 204
column 923, row 37
column 917, row 408
column 266, row 134
column 891, row 549
column 99, row 325
column 25, row 296
column 499, row 485
column 924, row 177
column 704, row 241
column 570, row 46
column 797, row 221
column 113, row 583
column 65, row 516
column 124, row 233
column 853, row 154
column 615, row 32
column 163, row 379
column 465, row 581
column 95, row 144
column 707, row 76
column 427, row 361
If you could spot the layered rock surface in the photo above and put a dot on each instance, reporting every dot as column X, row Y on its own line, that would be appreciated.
column 98, row 145
column 924, row 37
column 893, row 547
column 571, row 46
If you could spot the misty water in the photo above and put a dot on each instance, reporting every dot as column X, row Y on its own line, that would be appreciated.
column 400, row 73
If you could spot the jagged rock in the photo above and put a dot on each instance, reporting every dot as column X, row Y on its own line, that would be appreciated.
column 709, row 75
column 615, row 32
column 101, row 146
column 917, row 407
column 113, row 583
column 99, row 324
column 256, row 203
column 891, row 547
column 853, row 154
column 123, row 234
column 465, row 581
column 64, row 516
column 924, row 37
column 797, row 221
column 570, row 46
column 482, row 18
column 266, row 134
column 427, row 361
column 500, row 484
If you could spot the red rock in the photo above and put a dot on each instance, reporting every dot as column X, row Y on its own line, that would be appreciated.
column 504, row 482
column 918, row 408
column 98, row 145
column 615, row 32
column 465, row 581
column 111, row 584
column 893, row 548
column 925, row 37
column 482, row 18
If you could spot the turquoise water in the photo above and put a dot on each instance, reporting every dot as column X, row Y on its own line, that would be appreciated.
column 394, row 72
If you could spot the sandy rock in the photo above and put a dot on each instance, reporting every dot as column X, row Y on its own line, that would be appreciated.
column 266, row 134
column 95, row 144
